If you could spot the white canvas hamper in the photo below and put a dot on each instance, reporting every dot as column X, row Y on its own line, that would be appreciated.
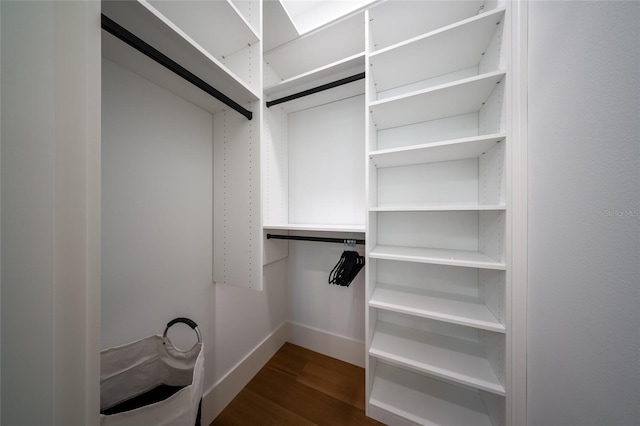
column 138, row 368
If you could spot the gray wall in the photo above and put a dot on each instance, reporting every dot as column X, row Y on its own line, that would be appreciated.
column 584, row 207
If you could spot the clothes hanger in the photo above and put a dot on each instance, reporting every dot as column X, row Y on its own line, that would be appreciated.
column 348, row 266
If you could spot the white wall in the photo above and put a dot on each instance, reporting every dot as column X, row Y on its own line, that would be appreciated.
column 326, row 186
column 50, row 212
column 320, row 306
column 157, row 229
column 326, row 166
column 156, row 209
column 584, row 208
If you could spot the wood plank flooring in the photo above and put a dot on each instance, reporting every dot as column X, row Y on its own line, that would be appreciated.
column 300, row 387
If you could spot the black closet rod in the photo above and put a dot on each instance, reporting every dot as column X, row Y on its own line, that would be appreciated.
column 317, row 239
column 316, row 89
column 112, row 27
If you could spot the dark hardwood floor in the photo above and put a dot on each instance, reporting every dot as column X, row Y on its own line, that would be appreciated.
column 300, row 387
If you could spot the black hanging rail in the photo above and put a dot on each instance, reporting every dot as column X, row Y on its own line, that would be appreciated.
column 317, row 239
column 132, row 40
column 316, row 89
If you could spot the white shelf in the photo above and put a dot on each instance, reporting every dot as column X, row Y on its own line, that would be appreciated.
column 344, row 68
column 150, row 25
column 437, row 104
column 455, row 309
column 469, row 259
column 352, row 65
column 394, row 21
column 447, row 100
column 457, row 149
column 349, row 90
column 309, row 52
column 315, row 227
column 430, row 55
column 457, row 360
column 425, row 401
column 439, row 208
column 217, row 26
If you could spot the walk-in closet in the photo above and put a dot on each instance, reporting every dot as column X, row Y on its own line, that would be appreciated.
column 399, row 212
column 355, row 166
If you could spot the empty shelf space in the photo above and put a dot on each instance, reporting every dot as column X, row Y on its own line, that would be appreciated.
column 335, row 94
column 155, row 29
column 429, row 55
column 457, row 149
column 447, row 100
column 425, row 401
column 395, row 21
column 458, row 360
column 436, row 256
column 310, row 52
column 217, row 26
column 455, row 309
column 326, row 74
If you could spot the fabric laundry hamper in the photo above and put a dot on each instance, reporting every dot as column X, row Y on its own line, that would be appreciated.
column 151, row 382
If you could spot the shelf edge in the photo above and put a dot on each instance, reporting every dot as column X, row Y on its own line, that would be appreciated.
column 440, row 208
column 315, row 227
column 438, row 31
column 452, row 319
column 438, row 260
column 437, row 88
column 438, row 144
column 282, row 85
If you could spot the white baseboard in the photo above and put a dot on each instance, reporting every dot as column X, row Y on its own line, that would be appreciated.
column 223, row 392
column 339, row 347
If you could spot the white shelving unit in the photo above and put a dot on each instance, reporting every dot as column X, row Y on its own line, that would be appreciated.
column 446, row 100
column 400, row 20
column 470, row 259
column 457, row 149
column 300, row 174
column 231, row 33
column 421, row 400
column 342, row 68
column 457, row 360
column 310, row 52
column 173, row 30
column 404, row 63
column 218, row 42
column 456, row 309
column 346, row 66
column 315, row 227
column 437, row 264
